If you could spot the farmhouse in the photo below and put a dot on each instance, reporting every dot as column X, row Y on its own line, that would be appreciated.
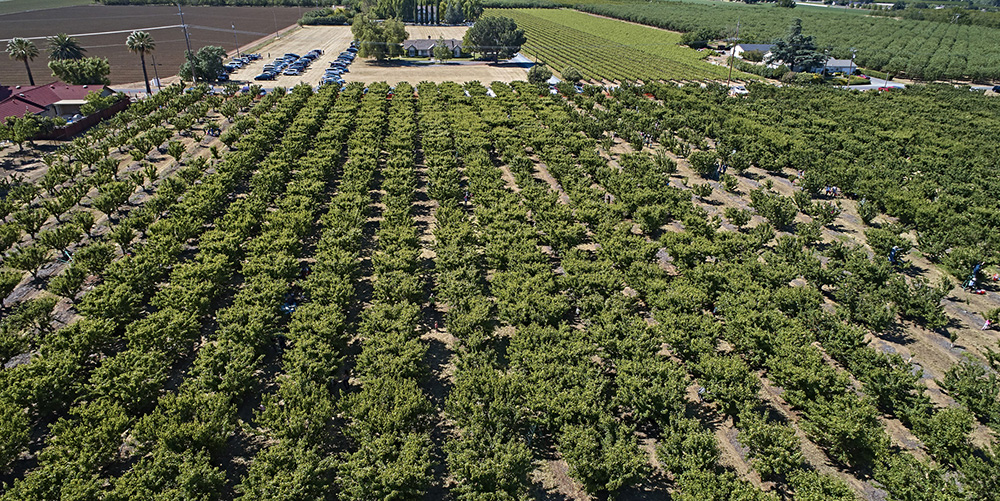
column 836, row 66
column 52, row 100
column 763, row 48
column 425, row 47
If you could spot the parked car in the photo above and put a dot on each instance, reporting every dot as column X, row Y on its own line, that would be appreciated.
column 222, row 77
column 996, row 88
column 264, row 76
column 882, row 89
column 291, row 72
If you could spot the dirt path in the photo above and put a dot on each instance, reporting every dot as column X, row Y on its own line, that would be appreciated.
column 813, row 454
column 541, row 172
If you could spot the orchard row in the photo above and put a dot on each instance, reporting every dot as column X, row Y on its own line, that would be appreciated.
column 399, row 292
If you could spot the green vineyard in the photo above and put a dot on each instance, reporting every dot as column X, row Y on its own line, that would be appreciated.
column 495, row 292
column 603, row 49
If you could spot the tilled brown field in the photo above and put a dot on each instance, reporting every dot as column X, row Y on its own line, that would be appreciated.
column 207, row 26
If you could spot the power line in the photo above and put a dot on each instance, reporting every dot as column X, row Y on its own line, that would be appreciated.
column 121, row 45
column 101, row 32
column 242, row 32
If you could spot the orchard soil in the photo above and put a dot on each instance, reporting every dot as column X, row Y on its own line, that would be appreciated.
column 932, row 351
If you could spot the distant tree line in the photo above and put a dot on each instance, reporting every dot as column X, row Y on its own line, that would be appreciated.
column 229, row 3
column 956, row 15
column 522, row 4
column 418, row 11
column 327, row 17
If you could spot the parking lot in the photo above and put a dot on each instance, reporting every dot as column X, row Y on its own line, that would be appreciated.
column 333, row 40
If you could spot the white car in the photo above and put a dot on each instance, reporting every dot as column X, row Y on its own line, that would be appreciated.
column 738, row 90
column 291, row 72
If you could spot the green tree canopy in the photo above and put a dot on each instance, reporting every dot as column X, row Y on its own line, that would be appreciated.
column 141, row 42
column 442, row 52
column 19, row 129
column 86, row 71
column 453, row 13
column 796, row 50
column 472, row 9
column 63, row 46
column 571, row 74
column 699, row 38
column 539, row 74
column 495, row 37
column 381, row 40
column 208, row 63
column 24, row 50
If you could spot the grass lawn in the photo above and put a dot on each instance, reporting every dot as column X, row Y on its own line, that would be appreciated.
column 13, row 6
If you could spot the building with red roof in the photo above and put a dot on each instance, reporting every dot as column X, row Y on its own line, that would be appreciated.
column 55, row 99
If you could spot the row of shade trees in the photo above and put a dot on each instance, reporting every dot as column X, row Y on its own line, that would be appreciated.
column 63, row 47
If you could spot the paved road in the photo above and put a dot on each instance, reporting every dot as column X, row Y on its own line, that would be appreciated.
column 878, row 82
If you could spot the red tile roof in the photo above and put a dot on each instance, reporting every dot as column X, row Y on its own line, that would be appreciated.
column 34, row 99
column 15, row 106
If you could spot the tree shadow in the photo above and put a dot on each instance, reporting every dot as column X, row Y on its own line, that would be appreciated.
column 897, row 334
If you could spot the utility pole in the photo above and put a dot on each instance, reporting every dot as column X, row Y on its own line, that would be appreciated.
column 851, row 72
column 275, row 17
column 187, row 40
column 237, row 41
column 155, row 74
column 732, row 54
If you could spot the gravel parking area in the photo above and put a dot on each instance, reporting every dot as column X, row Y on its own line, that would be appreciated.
column 332, row 40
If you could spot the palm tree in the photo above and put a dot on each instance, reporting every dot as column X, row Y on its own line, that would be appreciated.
column 23, row 49
column 63, row 46
column 141, row 43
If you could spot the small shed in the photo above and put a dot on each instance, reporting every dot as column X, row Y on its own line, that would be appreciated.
column 836, row 66
column 763, row 48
